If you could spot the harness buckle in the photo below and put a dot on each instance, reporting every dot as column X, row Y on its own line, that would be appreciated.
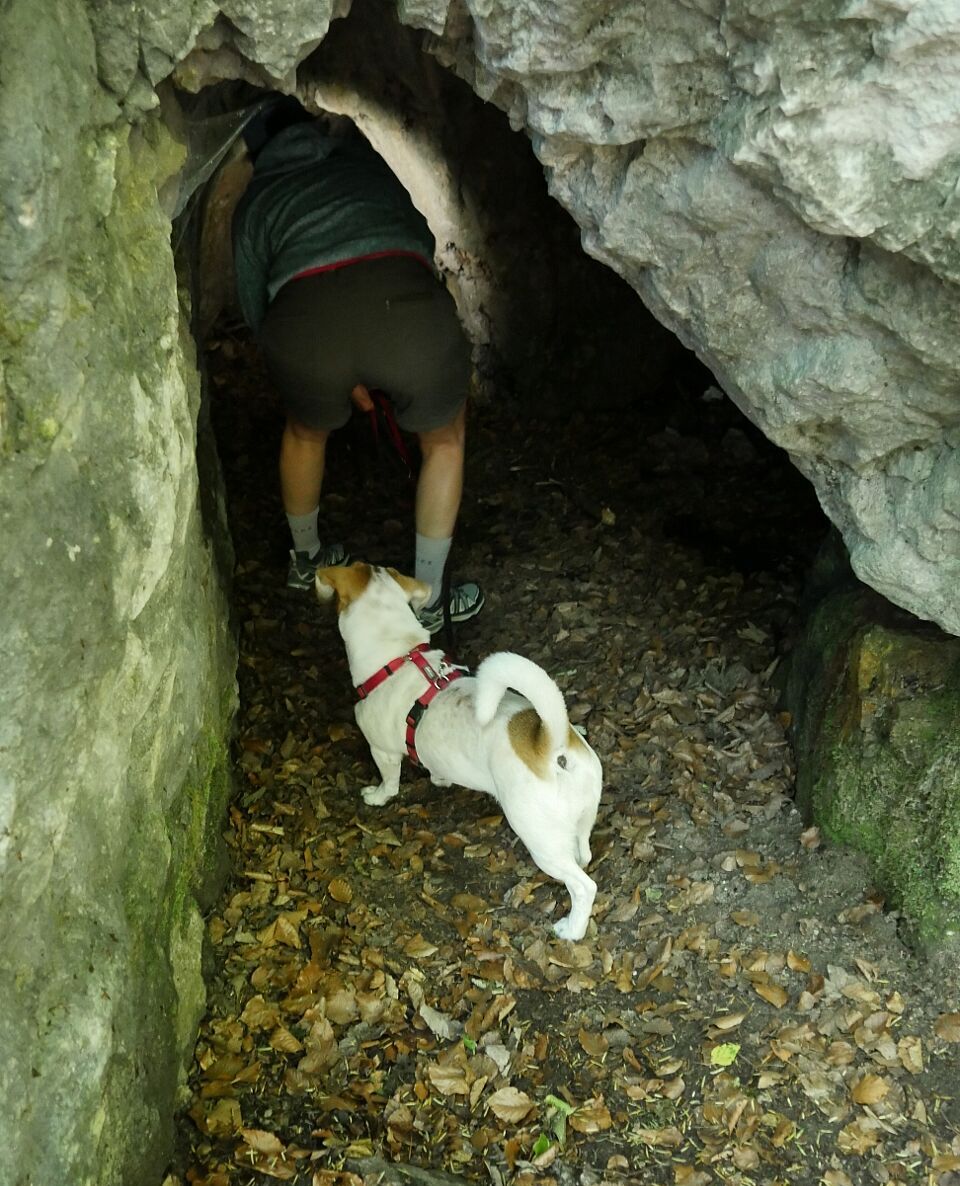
column 438, row 680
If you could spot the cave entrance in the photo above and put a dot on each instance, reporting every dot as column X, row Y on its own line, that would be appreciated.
column 637, row 537
column 554, row 333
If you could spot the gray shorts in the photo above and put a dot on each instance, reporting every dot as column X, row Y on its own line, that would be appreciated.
column 386, row 323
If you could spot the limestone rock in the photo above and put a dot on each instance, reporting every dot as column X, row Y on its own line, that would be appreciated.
column 118, row 665
column 779, row 186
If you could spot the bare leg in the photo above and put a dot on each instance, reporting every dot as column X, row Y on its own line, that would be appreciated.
column 302, row 454
column 440, row 486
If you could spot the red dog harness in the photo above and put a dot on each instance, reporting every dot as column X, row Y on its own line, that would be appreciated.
column 436, row 682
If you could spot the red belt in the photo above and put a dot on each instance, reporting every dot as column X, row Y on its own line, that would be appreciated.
column 359, row 259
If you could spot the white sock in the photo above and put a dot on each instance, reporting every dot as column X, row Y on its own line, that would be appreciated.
column 303, row 528
column 431, row 560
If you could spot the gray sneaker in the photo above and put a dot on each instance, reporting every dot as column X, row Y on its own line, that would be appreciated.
column 466, row 601
column 303, row 565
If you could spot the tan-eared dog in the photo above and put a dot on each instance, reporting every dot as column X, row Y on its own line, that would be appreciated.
column 475, row 731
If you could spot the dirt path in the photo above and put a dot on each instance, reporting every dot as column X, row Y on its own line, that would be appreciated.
column 385, row 982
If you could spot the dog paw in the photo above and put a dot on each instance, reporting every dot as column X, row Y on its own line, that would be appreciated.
column 564, row 929
column 376, row 796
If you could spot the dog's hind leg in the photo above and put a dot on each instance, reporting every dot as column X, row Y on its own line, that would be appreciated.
column 585, row 823
column 582, row 890
column 388, row 764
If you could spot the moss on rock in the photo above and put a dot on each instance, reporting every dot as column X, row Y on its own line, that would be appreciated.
column 119, row 662
column 875, row 698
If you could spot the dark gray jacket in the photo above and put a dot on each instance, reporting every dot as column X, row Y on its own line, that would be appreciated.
column 316, row 200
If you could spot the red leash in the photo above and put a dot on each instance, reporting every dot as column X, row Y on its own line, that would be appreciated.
column 382, row 410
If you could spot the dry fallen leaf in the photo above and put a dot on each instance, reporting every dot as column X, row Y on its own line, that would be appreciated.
column 224, row 1118
column 596, row 1045
column 858, row 1137
column 282, row 1039
column 774, row 993
column 592, row 1116
column 440, row 1024
column 836, row 1178
column 728, row 1021
column 322, row 1050
column 248, row 1159
column 469, row 903
column 660, row 1138
column 947, row 1027
column 510, row 1105
column 258, row 1015
column 870, row 1089
column 262, row 1141
column 340, row 890
column 342, row 1007
column 910, row 1052
column 571, row 955
column 284, row 929
column 419, row 948
column 448, row 1079
column 686, row 1175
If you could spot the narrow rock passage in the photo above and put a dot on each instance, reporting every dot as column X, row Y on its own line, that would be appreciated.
column 384, row 983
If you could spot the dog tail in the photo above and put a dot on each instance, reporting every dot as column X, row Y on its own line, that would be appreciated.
column 506, row 670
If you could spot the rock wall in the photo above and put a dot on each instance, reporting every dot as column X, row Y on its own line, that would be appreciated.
column 778, row 182
column 875, row 700
column 118, row 665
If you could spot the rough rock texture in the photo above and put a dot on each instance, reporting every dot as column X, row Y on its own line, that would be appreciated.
column 875, row 699
column 779, row 183
column 118, row 665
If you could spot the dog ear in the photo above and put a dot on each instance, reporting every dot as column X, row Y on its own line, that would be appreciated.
column 417, row 593
column 347, row 582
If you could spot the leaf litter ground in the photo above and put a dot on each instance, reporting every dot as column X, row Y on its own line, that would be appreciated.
column 386, row 999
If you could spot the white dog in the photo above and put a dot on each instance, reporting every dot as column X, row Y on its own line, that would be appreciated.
column 520, row 749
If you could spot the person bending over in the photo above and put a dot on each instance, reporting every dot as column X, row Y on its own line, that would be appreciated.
column 335, row 277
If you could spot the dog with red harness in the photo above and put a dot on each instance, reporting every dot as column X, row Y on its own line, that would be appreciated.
column 504, row 730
